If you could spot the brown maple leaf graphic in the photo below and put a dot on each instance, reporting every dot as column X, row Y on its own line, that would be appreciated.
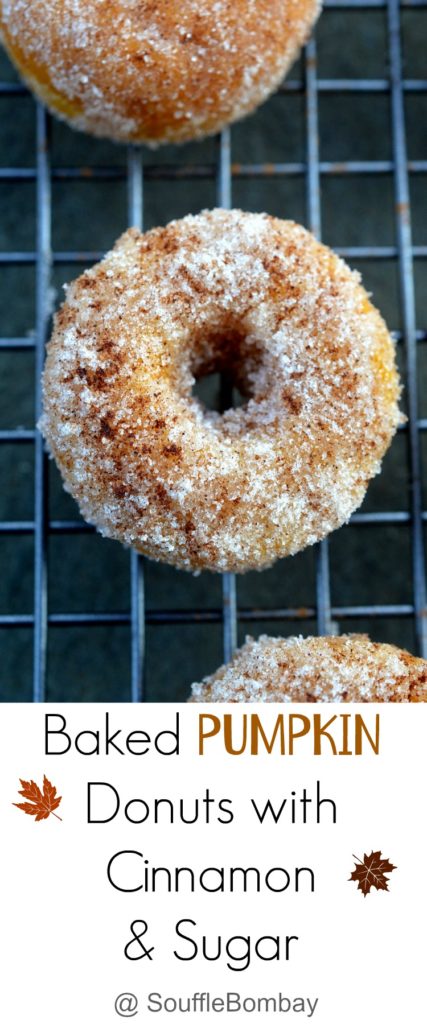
column 372, row 872
column 42, row 804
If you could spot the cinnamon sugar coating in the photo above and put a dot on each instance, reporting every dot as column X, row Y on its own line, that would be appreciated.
column 147, row 463
column 138, row 70
column 346, row 668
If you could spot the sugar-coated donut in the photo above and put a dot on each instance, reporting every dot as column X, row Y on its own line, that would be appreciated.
column 138, row 70
column 262, row 299
column 321, row 668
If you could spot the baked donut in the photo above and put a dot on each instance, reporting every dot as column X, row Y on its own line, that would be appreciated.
column 321, row 668
column 143, row 71
column 286, row 318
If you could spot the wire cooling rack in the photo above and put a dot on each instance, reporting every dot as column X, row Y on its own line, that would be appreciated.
column 321, row 613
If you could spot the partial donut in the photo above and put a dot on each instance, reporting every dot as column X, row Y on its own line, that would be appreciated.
column 257, row 298
column 323, row 668
column 138, row 70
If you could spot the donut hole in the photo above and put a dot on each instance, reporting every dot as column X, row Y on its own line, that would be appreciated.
column 216, row 392
column 223, row 366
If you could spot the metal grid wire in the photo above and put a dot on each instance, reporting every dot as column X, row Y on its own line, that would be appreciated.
column 322, row 613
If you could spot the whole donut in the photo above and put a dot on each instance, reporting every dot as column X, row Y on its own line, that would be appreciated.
column 321, row 668
column 226, row 291
column 139, row 70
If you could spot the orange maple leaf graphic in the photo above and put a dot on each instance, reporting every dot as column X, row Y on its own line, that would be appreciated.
column 42, row 804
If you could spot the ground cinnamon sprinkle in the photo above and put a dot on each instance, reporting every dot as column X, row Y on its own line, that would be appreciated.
column 134, row 70
column 346, row 668
column 292, row 324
